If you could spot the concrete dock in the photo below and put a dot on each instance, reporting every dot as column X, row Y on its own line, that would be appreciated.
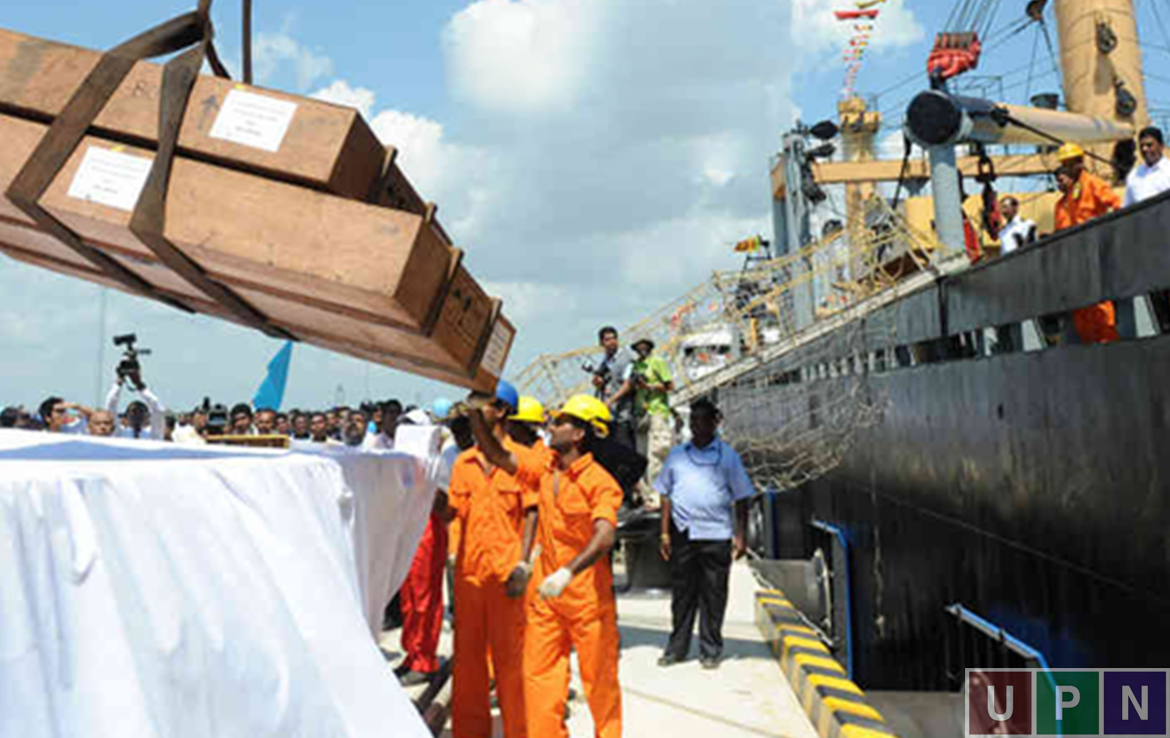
column 747, row 697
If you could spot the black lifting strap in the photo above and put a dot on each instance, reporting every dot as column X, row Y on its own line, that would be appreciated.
column 190, row 31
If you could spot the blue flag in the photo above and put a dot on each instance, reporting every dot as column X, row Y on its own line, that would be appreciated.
column 271, row 392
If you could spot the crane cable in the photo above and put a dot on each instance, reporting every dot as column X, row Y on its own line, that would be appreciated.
column 976, row 16
column 1032, row 65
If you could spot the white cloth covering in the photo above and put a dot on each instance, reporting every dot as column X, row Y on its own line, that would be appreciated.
column 154, row 590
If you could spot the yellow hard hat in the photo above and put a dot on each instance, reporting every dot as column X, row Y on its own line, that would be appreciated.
column 589, row 409
column 1070, row 151
column 530, row 411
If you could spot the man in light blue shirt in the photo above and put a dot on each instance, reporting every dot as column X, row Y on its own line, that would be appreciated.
column 705, row 492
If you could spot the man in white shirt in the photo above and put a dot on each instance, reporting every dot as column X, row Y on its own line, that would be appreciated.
column 1152, row 176
column 383, row 440
column 1018, row 232
column 145, row 418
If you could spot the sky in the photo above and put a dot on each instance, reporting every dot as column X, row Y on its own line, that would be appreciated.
column 594, row 159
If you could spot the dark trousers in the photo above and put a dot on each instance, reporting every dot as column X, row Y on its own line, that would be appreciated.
column 699, row 574
column 623, row 432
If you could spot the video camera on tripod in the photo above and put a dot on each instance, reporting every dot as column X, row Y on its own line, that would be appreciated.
column 129, row 367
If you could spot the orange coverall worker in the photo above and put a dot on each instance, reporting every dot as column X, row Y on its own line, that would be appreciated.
column 421, row 598
column 584, row 616
column 490, row 507
column 1090, row 197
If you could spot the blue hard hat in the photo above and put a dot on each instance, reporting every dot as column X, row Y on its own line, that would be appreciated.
column 441, row 407
column 508, row 395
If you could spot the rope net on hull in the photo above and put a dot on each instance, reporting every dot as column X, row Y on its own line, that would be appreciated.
column 784, row 345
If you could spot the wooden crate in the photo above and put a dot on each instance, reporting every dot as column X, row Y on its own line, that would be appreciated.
column 286, row 137
column 363, row 279
column 487, row 373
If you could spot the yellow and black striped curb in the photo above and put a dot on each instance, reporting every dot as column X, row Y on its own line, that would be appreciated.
column 836, row 706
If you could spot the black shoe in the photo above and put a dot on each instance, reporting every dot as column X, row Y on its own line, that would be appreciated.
column 669, row 659
column 709, row 662
column 415, row 678
column 402, row 670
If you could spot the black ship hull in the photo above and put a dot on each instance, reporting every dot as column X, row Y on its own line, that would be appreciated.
column 1029, row 487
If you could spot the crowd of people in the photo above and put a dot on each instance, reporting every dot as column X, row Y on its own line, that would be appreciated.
column 370, row 425
column 525, row 519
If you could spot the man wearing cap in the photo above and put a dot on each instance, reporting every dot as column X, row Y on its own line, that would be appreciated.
column 497, row 518
column 525, row 426
column 575, row 609
column 1088, row 197
column 441, row 409
column 655, row 419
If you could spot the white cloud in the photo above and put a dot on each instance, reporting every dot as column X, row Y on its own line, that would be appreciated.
column 523, row 56
column 595, row 173
column 527, row 301
column 455, row 176
column 341, row 93
column 422, row 152
column 273, row 50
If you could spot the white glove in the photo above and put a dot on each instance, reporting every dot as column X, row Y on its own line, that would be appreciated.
column 554, row 584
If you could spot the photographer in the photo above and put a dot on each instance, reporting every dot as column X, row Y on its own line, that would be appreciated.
column 612, row 381
column 145, row 418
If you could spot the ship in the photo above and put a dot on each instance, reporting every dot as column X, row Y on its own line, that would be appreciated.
column 939, row 496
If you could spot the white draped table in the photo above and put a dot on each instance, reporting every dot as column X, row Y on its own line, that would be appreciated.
column 148, row 589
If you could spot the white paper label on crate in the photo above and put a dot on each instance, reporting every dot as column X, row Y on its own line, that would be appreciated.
column 496, row 352
column 110, row 178
column 253, row 120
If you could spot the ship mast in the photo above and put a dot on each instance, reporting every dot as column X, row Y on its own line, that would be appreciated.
column 859, row 128
column 1101, row 59
column 1102, row 62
